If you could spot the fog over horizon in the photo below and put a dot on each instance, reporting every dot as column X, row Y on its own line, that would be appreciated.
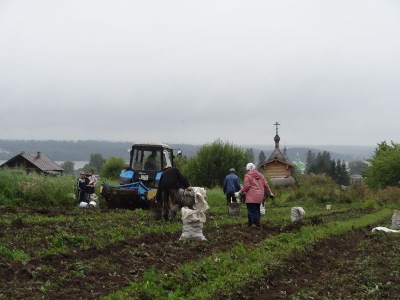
column 182, row 72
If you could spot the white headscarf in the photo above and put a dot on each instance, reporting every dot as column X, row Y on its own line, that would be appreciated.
column 250, row 166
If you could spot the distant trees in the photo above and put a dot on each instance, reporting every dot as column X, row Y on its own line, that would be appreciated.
column 261, row 157
column 322, row 164
column 95, row 163
column 250, row 155
column 318, row 164
column 68, row 167
column 181, row 163
column 310, row 162
column 112, row 168
column 357, row 167
column 87, row 167
column 213, row 161
column 341, row 175
column 384, row 167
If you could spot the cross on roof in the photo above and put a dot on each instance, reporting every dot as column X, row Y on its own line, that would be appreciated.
column 276, row 124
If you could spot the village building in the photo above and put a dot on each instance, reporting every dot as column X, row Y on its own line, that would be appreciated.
column 39, row 163
column 277, row 168
column 301, row 167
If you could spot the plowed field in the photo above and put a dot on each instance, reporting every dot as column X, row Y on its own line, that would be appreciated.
column 76, row 254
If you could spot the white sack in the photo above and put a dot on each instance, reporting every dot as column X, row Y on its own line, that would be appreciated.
column 192, row 215
column 193, row 219
column 297, row 213
column 384, row 229
column 262, row 209
column 192, row 231
column 93, row 197
column 92, row 204
column 200, row 190
column 396, row 220
column 200, row 201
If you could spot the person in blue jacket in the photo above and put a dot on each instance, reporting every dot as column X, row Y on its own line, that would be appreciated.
column 231, row 186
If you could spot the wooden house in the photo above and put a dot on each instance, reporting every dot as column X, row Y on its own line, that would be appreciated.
column 39, row 163
column 277, row 168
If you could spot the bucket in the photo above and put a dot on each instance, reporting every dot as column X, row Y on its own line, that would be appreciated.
column 328, row 207
column 233, row 209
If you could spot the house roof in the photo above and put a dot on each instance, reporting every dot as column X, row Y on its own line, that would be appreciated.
column 39, row 160
column 43, row 162
column 277, row 155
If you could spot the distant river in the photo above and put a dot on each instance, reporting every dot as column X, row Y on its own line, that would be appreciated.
column 78, row 164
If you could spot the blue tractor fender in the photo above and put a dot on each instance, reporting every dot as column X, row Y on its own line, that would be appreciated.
column 126, row 176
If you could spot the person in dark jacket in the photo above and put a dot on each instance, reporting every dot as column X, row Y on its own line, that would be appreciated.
column 231, row 186
column 81, row 186
column 171, row 181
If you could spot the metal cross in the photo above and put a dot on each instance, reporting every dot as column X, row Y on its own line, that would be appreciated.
column 276, row 124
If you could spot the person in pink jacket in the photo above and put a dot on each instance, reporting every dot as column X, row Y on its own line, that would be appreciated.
column 254, row 186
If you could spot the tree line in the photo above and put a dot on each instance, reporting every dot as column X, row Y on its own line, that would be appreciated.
column 322, row 163
column 383, row 168
column 338, row 170
column 212, row 162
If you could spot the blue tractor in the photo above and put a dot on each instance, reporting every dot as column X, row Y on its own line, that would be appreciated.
column 139, row 180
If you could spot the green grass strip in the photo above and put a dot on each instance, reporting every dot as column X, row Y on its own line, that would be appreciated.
column 226, row 271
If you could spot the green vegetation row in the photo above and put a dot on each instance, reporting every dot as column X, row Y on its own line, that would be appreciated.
column 20, row 189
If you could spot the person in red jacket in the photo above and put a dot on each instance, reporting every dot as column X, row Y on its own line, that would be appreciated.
column 254, row 186
column 171, row 181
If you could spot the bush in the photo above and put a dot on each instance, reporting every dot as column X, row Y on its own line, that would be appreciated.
column 387, row 195
column 370, row 204
column 212, row 163
column 18, row 188
column 112, row 168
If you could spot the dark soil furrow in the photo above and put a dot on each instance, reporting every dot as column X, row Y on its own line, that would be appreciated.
column 114, row 266
column 335, row 257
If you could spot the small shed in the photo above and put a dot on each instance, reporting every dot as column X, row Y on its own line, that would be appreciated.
column 277, row 167
column 38, row 162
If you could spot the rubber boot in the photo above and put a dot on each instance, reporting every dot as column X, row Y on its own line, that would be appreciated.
column 258, row 225
column 249, row 222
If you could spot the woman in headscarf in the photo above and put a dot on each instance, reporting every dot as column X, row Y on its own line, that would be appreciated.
column 254, row 186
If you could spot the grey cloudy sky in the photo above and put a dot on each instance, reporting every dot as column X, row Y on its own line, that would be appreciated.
column 195, row 71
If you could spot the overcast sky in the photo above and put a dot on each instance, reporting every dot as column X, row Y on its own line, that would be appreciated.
column 196, row 71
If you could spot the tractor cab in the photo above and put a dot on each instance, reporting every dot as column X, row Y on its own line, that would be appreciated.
column 146, row 164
